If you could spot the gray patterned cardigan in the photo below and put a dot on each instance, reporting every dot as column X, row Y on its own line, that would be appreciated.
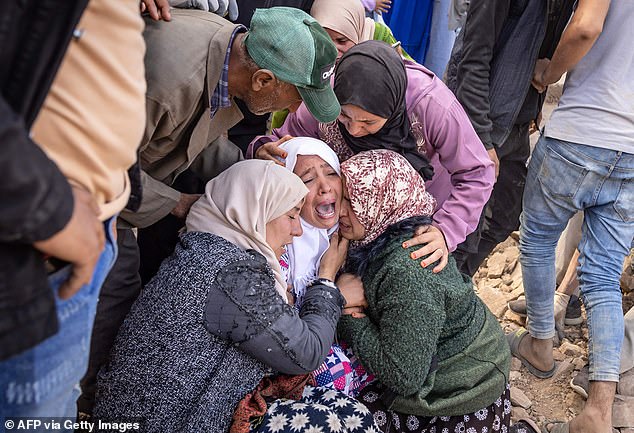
column 203, row 333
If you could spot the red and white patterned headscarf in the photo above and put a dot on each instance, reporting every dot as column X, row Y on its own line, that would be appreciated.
column 384, row 189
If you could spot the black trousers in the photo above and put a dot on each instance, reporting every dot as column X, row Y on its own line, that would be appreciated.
column 501, row 215
column 117, row 295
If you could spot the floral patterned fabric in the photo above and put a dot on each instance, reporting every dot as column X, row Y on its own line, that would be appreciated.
column 492, row 419
column 320, row 410
column 384, row 189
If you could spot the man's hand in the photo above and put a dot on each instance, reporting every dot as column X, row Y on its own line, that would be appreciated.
column 493, row 156
column 333, row 258
column 272, row 151
column 158, row 9
column 539, row 81
column 435, row 246
column 351, row 287
column 382, row 6
column 80, row 242
column 184, row 204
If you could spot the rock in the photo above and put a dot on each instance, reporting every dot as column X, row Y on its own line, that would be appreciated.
column 579, row 363
column 512, row 254
column 558, row 356
column 495, row 265
column 565, row 367
column 571, row 349
column 627, row 277
column 516, row 274
column 518, row 398
column 493, row 282
column 622, row 413
column 516, row 293
column 518, row 413
column 624, row 430
column 514, row 375
column 512, row 317
column 516, row 234
column 494, row 298
column 507, row 279
column 516, row 364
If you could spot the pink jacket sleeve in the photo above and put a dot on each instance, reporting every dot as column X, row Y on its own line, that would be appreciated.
column 463, row 173
column 298, row 124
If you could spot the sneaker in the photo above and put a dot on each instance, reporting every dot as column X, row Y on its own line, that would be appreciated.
column 580, row 382
column 573, row 310
column 518, row 306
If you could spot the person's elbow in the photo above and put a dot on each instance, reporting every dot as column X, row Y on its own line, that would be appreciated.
column 588, row 29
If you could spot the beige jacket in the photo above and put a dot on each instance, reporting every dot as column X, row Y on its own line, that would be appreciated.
column 183, row 64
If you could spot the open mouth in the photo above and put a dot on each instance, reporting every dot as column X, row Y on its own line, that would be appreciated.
column 326, row 210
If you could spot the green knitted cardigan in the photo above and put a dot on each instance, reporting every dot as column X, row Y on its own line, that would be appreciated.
column 414, row 316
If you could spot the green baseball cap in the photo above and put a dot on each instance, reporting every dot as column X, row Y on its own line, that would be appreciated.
column 292, row 45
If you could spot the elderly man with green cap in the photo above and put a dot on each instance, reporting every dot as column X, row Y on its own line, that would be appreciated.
column 195, row 65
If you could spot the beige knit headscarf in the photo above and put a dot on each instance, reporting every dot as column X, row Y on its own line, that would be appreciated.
column 239, row 202
column 344, row 16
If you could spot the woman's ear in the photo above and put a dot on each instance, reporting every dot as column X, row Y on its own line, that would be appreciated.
column 261, row 79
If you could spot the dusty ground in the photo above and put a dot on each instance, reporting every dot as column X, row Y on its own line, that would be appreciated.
column 499, row 280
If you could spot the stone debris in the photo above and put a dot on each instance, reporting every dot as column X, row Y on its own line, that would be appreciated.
column 518, row 398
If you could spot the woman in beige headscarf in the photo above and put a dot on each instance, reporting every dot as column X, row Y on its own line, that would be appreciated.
column 347, row 25
column 215, row 320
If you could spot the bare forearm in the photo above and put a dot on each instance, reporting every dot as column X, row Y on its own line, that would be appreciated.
column 578, row 38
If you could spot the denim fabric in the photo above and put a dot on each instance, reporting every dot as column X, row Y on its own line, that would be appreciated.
column 44, row 380
column 562, row 178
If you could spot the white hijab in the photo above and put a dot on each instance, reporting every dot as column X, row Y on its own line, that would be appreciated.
column 305, row 253
column 239, row 202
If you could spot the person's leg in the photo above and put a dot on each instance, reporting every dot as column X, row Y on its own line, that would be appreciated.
column 544, row 217
column 567, row 246
column 118, row 293
column 502, row 212
column 44, row 380
column 599, row 182
column 627, row 350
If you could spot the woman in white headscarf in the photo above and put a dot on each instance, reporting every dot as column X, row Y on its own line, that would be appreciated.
column 317, row 166
column 215, row 320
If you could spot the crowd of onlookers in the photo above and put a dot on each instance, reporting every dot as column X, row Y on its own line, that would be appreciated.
column 235, row 216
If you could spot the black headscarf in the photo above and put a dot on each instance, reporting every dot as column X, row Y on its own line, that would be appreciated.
column 371, row 75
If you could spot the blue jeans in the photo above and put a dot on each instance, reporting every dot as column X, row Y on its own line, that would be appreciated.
column 44, row 380
column 563, row 178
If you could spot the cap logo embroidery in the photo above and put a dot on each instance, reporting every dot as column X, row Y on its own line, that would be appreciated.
column 326, row 73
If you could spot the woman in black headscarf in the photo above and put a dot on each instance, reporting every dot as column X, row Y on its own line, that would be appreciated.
column 391, row 103
column 370, row 85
